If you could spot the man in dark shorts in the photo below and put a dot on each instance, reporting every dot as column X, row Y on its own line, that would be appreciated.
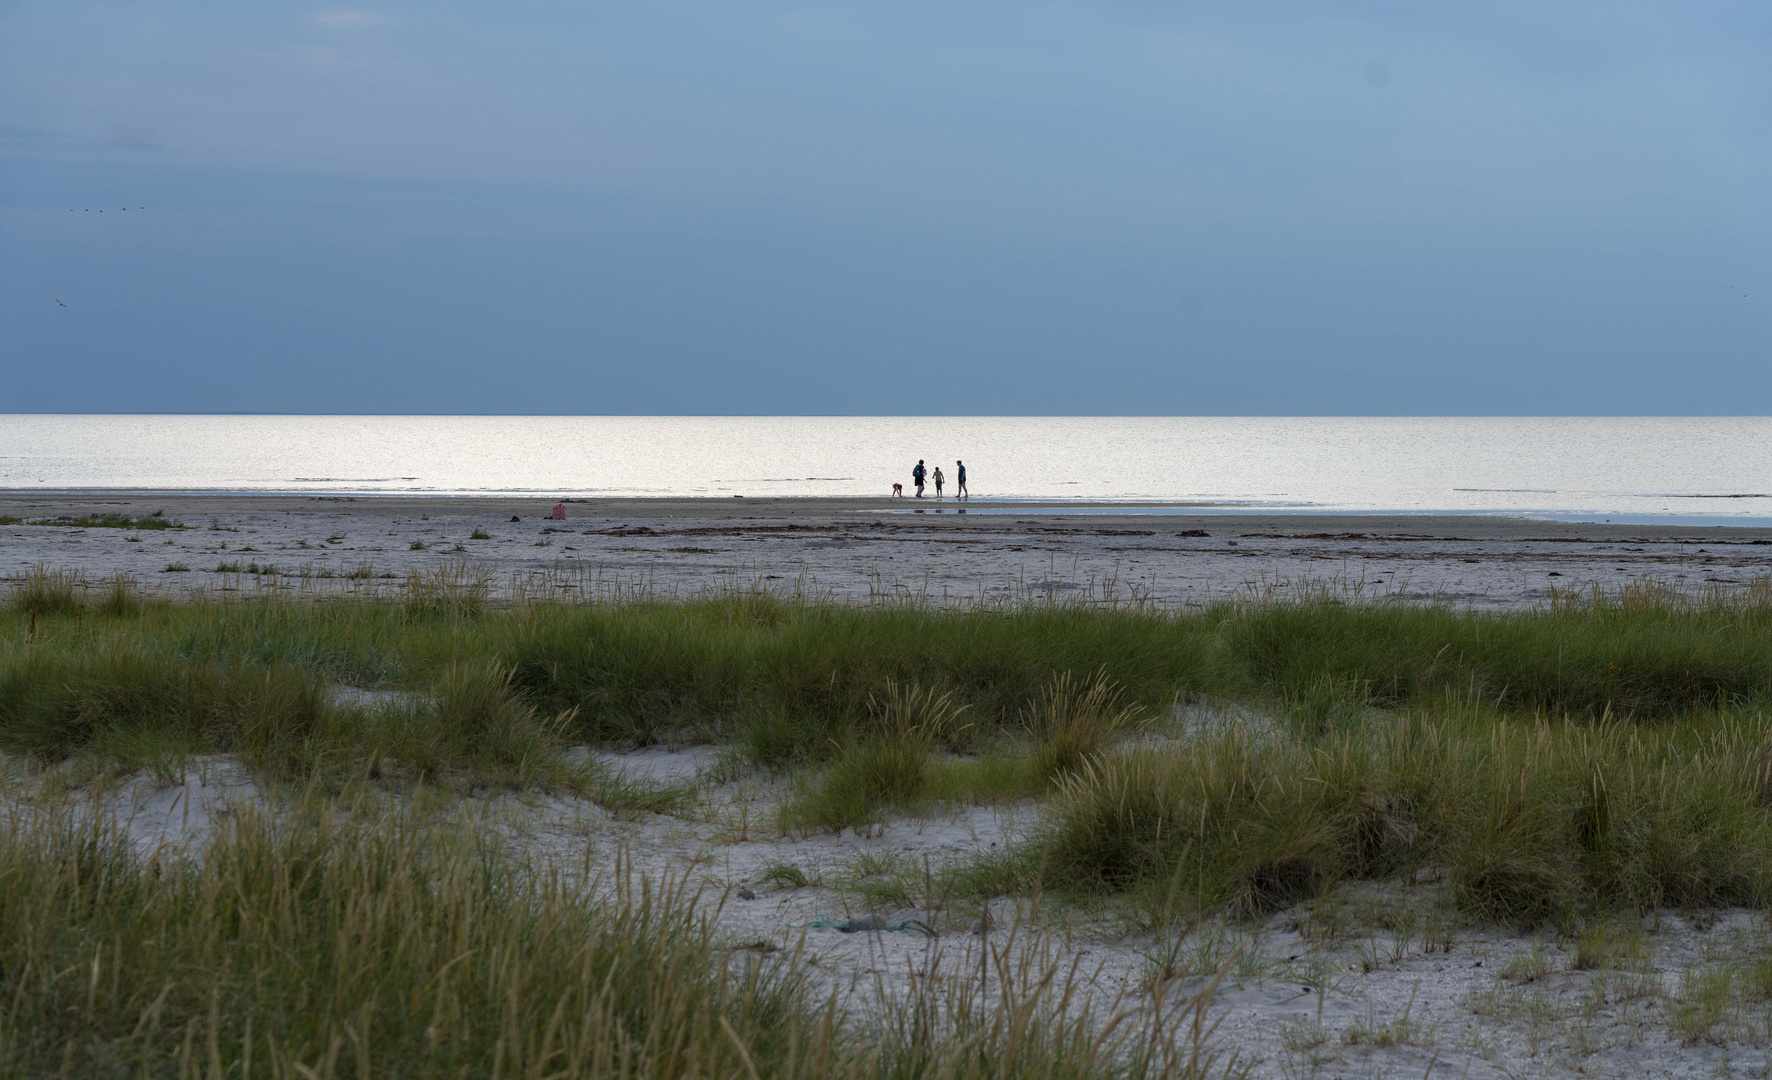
column 917, row 475
column 960, row 480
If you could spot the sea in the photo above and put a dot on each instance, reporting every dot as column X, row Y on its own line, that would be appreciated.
column 1626, row 469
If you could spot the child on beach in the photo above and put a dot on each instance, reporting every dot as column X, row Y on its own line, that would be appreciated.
column 938, row 479
column 960, row 481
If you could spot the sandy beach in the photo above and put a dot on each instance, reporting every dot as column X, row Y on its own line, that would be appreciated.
column 1370, row 977
column 854, row 548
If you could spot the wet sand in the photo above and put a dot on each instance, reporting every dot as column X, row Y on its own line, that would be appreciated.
column 856, row 548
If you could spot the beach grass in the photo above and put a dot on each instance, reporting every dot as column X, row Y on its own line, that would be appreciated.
column 1069, row 725
column 785, row 677
column 155, row 521
column 346, row 936
column 1604, row 751
column 886, row 767
column 43, row 591
column 1530, row 821
column 1573, row 767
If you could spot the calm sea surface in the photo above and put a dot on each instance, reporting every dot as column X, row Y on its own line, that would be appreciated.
column 1621, row 468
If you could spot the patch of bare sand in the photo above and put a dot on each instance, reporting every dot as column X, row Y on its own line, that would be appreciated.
column 856, row 549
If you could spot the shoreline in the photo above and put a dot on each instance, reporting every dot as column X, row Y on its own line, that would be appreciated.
column 1059, row 514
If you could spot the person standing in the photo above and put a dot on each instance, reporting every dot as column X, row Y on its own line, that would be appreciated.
column 917, row 475
column 960, row 481
column 938, row 480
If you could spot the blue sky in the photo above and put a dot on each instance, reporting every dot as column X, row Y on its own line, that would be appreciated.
column 915, row 208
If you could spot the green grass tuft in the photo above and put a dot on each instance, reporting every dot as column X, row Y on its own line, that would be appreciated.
column 156, row 520
column 121, row 596
column 784, row 876
column 452, row 591
column 42, row 591
column 473, row 725
column 1073, row 722
column 885, row 768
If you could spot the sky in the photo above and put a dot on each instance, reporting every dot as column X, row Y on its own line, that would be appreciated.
column 953, row 208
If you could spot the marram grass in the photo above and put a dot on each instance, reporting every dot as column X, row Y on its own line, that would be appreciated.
column 787, row 674
column 1528, row 820
column 1606, row 750
column 348, row 939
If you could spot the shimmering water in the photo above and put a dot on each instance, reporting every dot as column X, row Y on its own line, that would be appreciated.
column 1624, row 468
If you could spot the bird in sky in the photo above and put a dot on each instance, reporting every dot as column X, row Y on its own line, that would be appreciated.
column 59, row 302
